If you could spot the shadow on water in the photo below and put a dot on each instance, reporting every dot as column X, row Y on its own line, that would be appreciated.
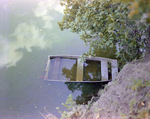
column 88, row 90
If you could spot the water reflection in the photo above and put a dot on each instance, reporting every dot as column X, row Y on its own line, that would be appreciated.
column 92, row 71
column 25, row 36
column 62, row 69
column 70, row 73
column 27, row 24
column 88, row 90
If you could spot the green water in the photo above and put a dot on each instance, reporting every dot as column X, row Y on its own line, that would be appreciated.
column 28, row 34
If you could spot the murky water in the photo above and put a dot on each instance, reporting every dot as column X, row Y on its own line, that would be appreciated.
column 28, row 34
column 62, row 69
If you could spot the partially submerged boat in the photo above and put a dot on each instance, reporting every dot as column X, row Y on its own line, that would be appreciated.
column 72, row 68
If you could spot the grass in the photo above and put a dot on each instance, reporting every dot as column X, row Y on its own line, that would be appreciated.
column 48, row 115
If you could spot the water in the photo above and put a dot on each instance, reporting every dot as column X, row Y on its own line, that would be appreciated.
column 92, row 71
column 62, row 69
column 28, row 34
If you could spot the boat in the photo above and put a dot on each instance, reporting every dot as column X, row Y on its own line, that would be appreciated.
column 75, row 68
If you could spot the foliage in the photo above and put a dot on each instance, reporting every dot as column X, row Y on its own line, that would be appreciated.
column 138, row 8
column 69, row 104
column 105, row 24
column 139, row 83
column 73, row 110
column 132, row 103
column 142, row 113
column 48, row 115
column 106, row 52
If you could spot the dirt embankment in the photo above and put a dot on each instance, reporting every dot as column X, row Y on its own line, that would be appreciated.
column 128, row 96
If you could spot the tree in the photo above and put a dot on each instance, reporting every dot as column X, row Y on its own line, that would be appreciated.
column 139, row 9
column 105, row 24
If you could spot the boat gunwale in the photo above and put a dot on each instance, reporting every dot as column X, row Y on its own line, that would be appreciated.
column 78, row 56
column 79, row 81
